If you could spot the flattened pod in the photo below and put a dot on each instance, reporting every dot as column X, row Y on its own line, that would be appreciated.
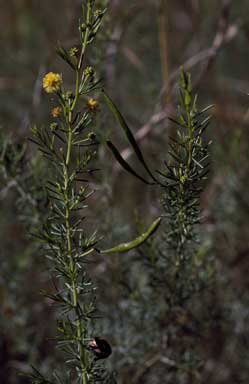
column 125, row 247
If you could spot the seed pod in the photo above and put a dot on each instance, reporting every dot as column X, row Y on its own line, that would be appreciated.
column 125, row 247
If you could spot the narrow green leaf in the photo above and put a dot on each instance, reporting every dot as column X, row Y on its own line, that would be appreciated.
column 124, row 164
column 128, row 133
column 125, row 247
column 206, row 120
column 205, row 109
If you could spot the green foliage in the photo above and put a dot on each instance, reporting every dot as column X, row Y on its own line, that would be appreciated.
column 176, row 271
column 186, row 171
column 69, row 147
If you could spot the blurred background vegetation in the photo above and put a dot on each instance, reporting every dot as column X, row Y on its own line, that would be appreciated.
column 139, row 53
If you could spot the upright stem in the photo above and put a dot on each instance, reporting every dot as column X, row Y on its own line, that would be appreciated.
column 72, row 265
column 69, row 116
column 84, row 44
column 63, row 234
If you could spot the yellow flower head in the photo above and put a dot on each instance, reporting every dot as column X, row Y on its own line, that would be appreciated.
column 56, row 112
column 92, row 104
column 52, row 82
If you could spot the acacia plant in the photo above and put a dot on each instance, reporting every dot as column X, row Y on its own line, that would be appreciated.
column 185, row 172
column 181, row 272
column 69, row 146
column 184, row 176
column 174, row 262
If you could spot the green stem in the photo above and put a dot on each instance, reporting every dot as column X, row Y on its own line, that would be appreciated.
column 76, row 97
column 72, row 266
column 72, row 261
column 69, row 147
column 84, row 44
column 190, row 143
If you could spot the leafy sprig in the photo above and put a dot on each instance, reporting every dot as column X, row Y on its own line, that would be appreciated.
column 69, row 146
column 186, row 171
column 175, row 274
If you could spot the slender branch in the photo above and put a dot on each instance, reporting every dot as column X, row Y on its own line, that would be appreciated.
column 86, row 36
column 68, row 212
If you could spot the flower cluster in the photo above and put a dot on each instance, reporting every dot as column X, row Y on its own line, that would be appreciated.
column 52, row 82
column 92, row 105
column 56, row 112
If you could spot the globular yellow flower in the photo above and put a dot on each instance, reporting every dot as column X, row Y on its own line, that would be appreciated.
column 56, row 111
column 92, row 104
column 52, row 82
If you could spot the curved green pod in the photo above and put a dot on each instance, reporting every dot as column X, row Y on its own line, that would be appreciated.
column 125, row 247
